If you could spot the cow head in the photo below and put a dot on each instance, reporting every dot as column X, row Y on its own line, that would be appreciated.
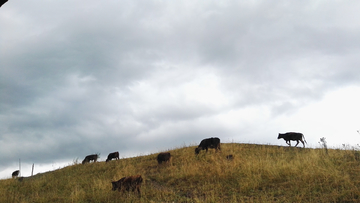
column 197, row 150
column 115, row 185
column 280, row 136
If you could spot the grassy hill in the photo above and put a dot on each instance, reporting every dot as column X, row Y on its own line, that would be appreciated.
column 258, row 173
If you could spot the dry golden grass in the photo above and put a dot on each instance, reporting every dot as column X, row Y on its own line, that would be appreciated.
column 258, row 173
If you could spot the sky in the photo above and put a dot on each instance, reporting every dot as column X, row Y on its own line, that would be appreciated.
column 141, row 77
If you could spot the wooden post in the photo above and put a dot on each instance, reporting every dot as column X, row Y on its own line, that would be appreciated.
column 32, row 171
column 19, row 167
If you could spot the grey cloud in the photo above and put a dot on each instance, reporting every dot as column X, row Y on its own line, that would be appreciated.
column 95, row 77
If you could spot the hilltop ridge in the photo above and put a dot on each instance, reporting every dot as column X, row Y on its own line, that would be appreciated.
column 257, row 173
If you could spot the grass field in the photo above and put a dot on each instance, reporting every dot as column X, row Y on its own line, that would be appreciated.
column 258, row 173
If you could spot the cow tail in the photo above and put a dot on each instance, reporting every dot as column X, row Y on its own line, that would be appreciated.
column 304, row 138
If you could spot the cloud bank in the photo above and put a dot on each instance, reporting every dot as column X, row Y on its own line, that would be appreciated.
column 141, row 77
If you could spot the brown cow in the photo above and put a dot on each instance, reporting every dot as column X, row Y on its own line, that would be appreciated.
column 92, row 157
column 114, row 155
column 163, row 157
column 127, row 183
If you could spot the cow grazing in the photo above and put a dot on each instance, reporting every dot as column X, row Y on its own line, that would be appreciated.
column 213, row 142
column 114, row 155
column 15, row 174
column 163, row 157
column 92, row 157
column 291, row 136
column 128, row 183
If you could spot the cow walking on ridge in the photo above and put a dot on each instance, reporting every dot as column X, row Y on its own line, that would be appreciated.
column 292, row 136
column 128, row 183
column 114, row 155
column 88, row 158
column 213, row 142
column 163, row 157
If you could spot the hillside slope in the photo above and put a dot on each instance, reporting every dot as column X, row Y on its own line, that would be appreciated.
column 258, row 173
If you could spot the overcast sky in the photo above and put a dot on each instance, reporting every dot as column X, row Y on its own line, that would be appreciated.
column 140, row 77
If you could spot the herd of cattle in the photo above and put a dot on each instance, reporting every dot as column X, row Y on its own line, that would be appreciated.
column 134, row 182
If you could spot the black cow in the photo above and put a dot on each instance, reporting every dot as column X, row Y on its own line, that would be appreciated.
column 213, row 142
column 292, row 136
column 88, row 158
column 15, row 174
column 127, row 183
column 114, row 155
column 2, row 2
column 163, row 157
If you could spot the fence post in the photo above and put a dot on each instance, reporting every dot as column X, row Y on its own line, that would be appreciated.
column 32, row 171
column 19, row 167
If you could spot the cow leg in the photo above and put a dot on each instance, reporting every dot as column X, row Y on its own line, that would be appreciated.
column 303, row 143
column 288, row 142
column 206, row 149
column 297, row 142
column 138, row 189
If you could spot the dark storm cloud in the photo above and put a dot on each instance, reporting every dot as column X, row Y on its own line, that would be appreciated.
column 145, row 76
